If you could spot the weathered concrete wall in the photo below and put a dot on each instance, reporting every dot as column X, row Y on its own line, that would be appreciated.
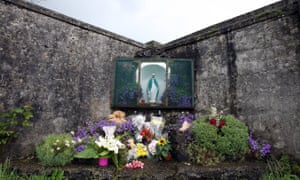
column 61, row 65
column 250, row 67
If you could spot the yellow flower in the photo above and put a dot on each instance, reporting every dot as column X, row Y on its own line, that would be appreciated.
column 141, row 150
column 162, row 142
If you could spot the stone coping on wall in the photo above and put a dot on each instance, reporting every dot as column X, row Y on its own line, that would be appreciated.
column 152, row 170
column 72, row 21
column 269, row 12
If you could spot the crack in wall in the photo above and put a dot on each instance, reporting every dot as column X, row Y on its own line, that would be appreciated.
column 232, row 73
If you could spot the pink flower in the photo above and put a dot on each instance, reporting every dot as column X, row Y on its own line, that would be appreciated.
column 135, row 164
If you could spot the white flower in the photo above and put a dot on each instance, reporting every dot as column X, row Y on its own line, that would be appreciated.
column 110, row 144
column 58, row 148
column 79, row 140
column 152, row 147
column 72, row 132
column 68, row 145
column 57, row 140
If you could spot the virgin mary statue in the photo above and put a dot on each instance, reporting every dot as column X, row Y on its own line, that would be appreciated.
column 152, row 89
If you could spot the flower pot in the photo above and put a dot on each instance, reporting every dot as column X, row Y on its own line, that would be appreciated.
column 102, row 162
column 169, row 157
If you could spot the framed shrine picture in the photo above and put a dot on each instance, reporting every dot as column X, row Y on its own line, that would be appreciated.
column 153, row 83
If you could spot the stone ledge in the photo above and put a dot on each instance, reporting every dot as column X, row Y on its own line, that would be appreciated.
column 152, row 170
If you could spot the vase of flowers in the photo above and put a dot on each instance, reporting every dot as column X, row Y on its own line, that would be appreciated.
column 103, row 161
column 103, row 148
column 108, row 147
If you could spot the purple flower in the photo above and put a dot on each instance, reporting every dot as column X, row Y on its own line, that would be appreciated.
column 126, row 127
column 81, row 133
column 185, row 117
column 253, row 143
column 80, row 148
column 189, row 118
column 265, row 150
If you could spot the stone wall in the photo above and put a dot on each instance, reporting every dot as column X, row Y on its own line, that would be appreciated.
column 249, row 66
column 62, row 66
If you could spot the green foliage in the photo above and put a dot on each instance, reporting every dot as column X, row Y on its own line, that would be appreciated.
column 122, row 157
column 280, row 169
column 203, row 156
column 205, row 135
column 229, row 141
column 55, row 150
column 12, row 120
column 56, row 174
column 6, row 172
column 91, row 151
column 233, row 139
column 163, row 148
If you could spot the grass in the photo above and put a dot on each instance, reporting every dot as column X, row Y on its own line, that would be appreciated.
column 281, row 169
column 6, row 172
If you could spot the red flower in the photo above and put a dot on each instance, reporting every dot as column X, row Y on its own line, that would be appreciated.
column 213, row 122
column 147, row 134
column 143, row 132
column 222, row 123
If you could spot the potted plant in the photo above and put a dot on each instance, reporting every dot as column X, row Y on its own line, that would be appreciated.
column 103, row 148
column 163, row 148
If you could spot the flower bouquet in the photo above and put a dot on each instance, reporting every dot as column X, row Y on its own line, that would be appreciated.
column 146, row 133
column 163, row 148
column 102, row 147
column 109, row 148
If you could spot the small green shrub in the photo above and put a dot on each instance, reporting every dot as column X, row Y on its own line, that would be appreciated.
column 12, row 120
column 229, row 141
column 55, row 150
column 233, row 139
column 204, row 134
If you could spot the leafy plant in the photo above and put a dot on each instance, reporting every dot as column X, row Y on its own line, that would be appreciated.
column 229, row 140
column 102, row 147
column 55, row 150
column 12, row 120
column 163, row 148
column 233, row 139
column 203, row 156
column 204, row 134
column 279, row 169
